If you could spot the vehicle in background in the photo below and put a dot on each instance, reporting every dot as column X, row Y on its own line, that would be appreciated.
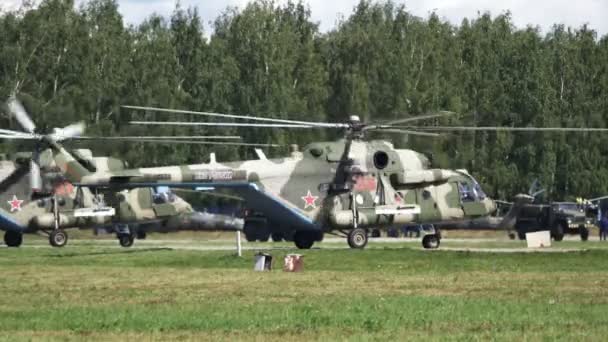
column 558, row 217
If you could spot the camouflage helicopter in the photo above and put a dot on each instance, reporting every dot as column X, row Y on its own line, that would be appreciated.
column 347, row 186
column 58, row 205
column 35, row 197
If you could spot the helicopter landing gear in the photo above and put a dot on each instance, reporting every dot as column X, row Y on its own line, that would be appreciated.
column 431, row 241
column 58, row 238
column 304, row 239
column 126, row 240
column 357, row 238
column 124, row 235
column 12, row 238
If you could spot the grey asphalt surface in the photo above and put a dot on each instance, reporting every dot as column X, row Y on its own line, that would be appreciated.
column 334, row 243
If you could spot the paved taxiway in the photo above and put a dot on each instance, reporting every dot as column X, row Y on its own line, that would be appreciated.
column 479, row 245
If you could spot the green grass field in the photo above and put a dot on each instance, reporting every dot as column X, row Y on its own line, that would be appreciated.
column 391, row 291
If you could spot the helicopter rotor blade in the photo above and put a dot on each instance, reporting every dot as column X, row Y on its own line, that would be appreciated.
column 512, row 129
column 68, row 132
column 218, row 124
column 16, row 108
column 534, row 186
column 202, row 142
column 162, row 137
column 420, row 117
column 407, row 131
column 243, row 117
column 17, row 137
column 14, row 133
column 536, row 193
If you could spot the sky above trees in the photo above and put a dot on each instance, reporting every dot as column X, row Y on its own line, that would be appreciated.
column 543, row 13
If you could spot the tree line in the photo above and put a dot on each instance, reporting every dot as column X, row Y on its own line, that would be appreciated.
column 381, row 62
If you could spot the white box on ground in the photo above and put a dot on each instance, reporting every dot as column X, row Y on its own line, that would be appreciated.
column 539, row 239
column 263, row 262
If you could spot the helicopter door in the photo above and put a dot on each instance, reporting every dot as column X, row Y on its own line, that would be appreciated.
column 471, row 205
column 428, row 206
column 161, row 202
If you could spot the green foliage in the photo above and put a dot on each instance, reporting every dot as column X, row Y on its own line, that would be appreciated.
column 270, row 59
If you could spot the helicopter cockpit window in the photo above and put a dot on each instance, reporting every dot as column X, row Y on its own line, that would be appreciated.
column 467, row 193
column 163, row 197
column 479, row 192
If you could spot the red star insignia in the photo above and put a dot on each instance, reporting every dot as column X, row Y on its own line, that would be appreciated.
column 309, row 200
column 15, row 204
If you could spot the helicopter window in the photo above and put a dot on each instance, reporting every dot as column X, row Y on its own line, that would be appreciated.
column 172, row 197
column 426, row 194
column 380, row 160
column 163, row 197
column 160, row 198
column 479, row 192
column 467, row 194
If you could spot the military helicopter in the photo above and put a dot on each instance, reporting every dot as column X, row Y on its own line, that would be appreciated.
column 346, row 186
column 59, row 205
column 359, row 184
column 35, row 197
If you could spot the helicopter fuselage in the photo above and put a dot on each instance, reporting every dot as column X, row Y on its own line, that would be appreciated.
column 375, row 185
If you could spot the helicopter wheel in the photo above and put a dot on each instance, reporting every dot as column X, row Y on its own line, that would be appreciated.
column 431, row 241
column 357, row 238
column 125, row 240
column 304, row 239
column 58, row 238
column 12, row 238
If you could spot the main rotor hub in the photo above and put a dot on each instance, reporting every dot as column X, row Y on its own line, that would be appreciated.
column 355, row 127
